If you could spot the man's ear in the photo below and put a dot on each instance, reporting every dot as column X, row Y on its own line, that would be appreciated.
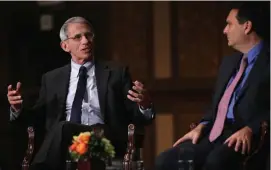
column 64, row 46
column 248, row 27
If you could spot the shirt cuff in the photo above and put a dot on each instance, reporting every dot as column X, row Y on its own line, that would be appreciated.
column 146, row 112
column 204, row 122
column 13, row 114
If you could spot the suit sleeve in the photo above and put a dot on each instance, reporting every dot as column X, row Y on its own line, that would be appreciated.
column 132, row 108
column 35, row 115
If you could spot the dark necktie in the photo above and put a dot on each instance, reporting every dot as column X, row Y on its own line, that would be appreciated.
column 76, row 111
column 225, row 101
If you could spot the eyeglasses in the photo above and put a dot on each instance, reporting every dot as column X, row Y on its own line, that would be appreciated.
column 78, row 37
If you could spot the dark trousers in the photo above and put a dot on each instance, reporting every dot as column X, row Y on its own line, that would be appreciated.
column 206, row 155
column 54, row 150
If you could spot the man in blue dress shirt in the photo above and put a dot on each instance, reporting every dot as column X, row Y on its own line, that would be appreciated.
column 241, row 102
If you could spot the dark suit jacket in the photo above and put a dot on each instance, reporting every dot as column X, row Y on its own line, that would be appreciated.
column 253, row 105
column 113, row 83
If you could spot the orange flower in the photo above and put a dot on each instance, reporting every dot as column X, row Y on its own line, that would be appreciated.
column 84, row 137
column 73, row 147
column 81, row 148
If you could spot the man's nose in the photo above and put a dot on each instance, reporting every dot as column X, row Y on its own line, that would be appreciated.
column 84, row 39
column 225, row 30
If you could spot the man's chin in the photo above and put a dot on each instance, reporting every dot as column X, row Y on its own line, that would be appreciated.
column 87, row 57
column 229, row 44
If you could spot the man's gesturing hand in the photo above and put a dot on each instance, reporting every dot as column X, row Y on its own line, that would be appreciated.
column 14, row 97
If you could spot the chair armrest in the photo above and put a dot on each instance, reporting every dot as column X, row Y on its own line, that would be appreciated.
column 264, row 131
column 30, row 148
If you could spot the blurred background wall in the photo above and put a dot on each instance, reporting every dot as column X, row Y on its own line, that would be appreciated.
column 175, row 48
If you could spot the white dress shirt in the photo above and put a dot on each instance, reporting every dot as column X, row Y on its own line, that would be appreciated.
column 91, row 113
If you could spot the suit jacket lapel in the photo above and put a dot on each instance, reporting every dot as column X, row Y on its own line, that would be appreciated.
column 101, row 74
column 255, row 71
column 64, row 78
column 229, row 69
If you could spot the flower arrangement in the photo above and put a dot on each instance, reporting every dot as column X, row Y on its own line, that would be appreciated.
column 91, row 144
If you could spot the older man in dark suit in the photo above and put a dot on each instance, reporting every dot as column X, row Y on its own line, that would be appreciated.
column 85, row 92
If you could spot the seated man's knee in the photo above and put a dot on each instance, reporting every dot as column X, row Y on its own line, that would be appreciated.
column 167, row 160
column 213, row 163
column 222, row 161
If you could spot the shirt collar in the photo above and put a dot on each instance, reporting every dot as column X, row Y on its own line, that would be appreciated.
column 253, row 53
column 77, row 66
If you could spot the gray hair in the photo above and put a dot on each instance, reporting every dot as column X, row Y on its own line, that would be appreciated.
column 63, row 31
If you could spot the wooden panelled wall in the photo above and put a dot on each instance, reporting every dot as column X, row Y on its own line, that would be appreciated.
column 175, row 48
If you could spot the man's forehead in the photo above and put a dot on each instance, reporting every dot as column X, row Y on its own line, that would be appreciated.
column 75, row 28
column 232, row 15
